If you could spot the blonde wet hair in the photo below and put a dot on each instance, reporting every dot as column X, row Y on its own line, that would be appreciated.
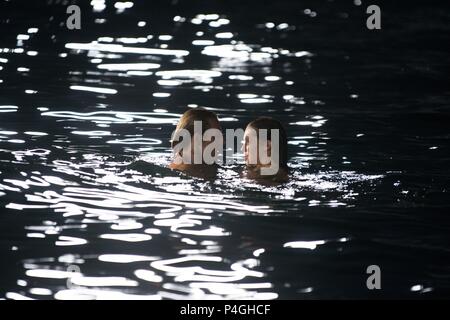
column 208, row 119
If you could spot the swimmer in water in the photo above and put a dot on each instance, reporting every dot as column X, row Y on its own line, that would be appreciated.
column 265, row 151
column 190, row 131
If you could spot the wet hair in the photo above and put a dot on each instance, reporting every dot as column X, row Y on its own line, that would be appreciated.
column 208, row 118
column 270, row 124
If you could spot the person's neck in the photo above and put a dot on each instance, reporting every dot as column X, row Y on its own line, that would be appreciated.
column 205, row 171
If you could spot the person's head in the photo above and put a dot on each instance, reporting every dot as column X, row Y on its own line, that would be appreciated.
column 194, row 123
column 265, row 136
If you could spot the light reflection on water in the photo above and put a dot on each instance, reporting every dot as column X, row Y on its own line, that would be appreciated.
column 139, row 209
column 154, row 233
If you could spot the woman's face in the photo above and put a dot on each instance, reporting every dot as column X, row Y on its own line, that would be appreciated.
column 246, row 147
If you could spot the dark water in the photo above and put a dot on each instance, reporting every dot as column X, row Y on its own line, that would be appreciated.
column 367, row 114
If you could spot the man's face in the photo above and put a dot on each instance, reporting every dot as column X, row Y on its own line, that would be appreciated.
column 251, row 148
